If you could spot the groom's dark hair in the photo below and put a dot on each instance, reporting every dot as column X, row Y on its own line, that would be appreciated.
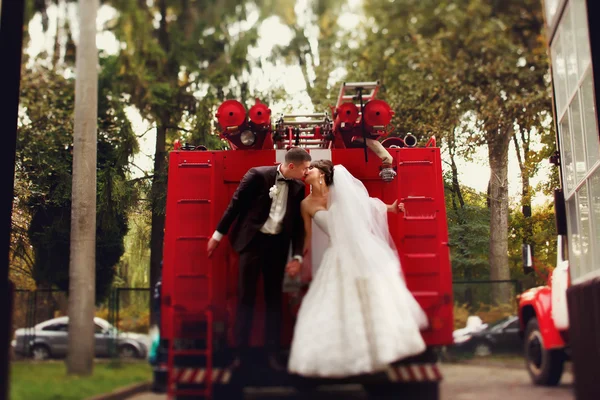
column 297, row 155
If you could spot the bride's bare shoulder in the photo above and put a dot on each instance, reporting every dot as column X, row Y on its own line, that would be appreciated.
column 308, row 205
column 305, row 203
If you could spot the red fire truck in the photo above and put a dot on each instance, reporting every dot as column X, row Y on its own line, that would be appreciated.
column 199, row 293
column 543, row 312
column 561, row 320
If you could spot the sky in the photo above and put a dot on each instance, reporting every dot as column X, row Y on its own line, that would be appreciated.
column 272, row 32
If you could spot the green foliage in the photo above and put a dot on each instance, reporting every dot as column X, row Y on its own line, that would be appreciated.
column 173, row 55
column 134, row 318
column 469, row 233
column 439, row 59
column 43, row 170
column 543, row 240
column 49, row 381
column 469, row 230
column 317, row 62
column 133, row 268
column 179, row 70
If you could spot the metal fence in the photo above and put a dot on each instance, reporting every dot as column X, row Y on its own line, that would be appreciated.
column 130, row 309
column 34, row 306
column 491, row 300
column 127, row 309
column 479, row 293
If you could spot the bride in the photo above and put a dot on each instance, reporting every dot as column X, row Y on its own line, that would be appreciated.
column 358, row 316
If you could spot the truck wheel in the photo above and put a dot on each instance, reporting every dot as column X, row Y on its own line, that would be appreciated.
column 229, row 392
column 545, row 366
column 404, row 391
column 159, row 381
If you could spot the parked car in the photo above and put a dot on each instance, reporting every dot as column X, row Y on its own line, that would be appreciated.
column 501, row 336
column 50, row 339
column 474, row 324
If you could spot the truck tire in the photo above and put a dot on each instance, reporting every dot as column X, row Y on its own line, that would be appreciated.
column 228, row 392
column 545, row 366
column 404, row 391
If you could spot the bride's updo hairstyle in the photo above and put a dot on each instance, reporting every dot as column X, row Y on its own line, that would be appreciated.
column 326, row 167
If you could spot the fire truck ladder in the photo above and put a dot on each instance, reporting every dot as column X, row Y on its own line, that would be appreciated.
column 195, row 322
column 307, row 130
column 349, row 92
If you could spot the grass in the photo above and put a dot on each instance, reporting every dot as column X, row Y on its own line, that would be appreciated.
column 49, row 381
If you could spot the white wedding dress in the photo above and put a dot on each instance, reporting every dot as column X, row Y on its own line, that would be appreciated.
column 358, row 316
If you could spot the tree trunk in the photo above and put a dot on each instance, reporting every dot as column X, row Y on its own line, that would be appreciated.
column 524, row 161
column 56, row 48
column 82, row 268
column 159, row 189
column 526, row 205
column 498, row 201
column 159, row 180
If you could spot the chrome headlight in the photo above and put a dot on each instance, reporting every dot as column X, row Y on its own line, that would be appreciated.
column 247, row 138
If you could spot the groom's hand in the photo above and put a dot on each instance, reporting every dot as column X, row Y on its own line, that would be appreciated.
column 212, row 245
column 293, row 268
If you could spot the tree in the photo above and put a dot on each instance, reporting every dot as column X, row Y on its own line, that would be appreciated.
column 132, row 270
column 82, row 266
column 540, row 231
column 192, row 52
column 530, row 160
column 507, row 81
column 468, row 226
column 316, row 53
column 44, row 199
column 443, row 59
column 21, row 256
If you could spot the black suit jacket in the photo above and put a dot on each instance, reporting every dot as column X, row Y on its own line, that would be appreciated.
column 250, row 205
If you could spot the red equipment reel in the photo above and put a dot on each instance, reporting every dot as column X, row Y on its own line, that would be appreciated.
column 231, row 114
column 260, row 114
column 377, row 114
column 346, row 114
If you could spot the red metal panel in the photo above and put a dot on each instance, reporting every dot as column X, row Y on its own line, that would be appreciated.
column 186, row 267
column 421, row 234
column 540, row 299
column 237, row 163
column 194, row 208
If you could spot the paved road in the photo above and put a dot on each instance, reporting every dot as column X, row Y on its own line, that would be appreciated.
column 461, row 382
column 466, row 382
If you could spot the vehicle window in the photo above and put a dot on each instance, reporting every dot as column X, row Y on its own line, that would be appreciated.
column 63, row 327
column 513, row 325
column 57, row 328
column 98, row 328
column 497, row 325
column 50, row 327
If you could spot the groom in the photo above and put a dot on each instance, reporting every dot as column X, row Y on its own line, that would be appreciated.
column 266, row 205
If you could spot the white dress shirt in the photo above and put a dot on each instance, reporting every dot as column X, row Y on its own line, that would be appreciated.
column 278, row 206
column 274, row 222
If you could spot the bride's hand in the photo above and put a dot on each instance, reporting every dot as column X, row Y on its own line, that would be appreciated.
column 293, row 268
column 395, row 207
column 401, row 207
